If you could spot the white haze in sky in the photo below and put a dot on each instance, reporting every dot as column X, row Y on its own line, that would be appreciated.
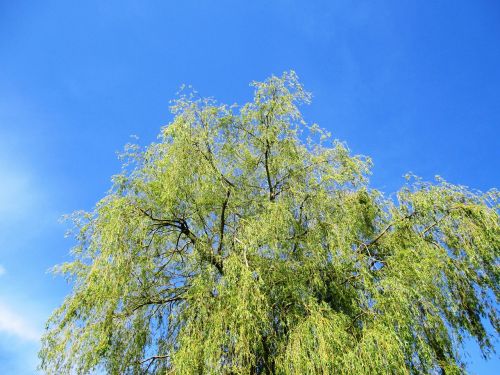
column 15, row 325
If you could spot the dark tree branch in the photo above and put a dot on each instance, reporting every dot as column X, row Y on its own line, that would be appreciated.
column 157, row 302
column 151, row 360
column 268, row 173
column 437, row 222
column 366, row 245
column 210, row 159
column 182, row 225
column 155, row 357
column 223, row 221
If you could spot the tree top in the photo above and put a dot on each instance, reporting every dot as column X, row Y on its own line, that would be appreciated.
column 246, row 241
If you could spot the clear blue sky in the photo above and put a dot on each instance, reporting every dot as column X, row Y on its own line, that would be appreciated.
column 413, row 84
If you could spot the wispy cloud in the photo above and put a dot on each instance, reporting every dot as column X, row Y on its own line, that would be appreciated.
column 2, row 270
column 17, row 193
column 13, row 324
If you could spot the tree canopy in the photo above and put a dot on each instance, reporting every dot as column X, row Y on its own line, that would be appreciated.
column 245, row 241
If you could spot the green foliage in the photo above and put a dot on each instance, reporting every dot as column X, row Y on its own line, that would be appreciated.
column 246, row 242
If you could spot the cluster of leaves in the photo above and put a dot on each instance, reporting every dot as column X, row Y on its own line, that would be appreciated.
column 246, row 242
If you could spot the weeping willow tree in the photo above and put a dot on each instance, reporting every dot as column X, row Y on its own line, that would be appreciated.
column 247, row 242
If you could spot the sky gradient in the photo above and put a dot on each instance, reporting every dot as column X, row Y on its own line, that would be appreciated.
column 414, row 85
